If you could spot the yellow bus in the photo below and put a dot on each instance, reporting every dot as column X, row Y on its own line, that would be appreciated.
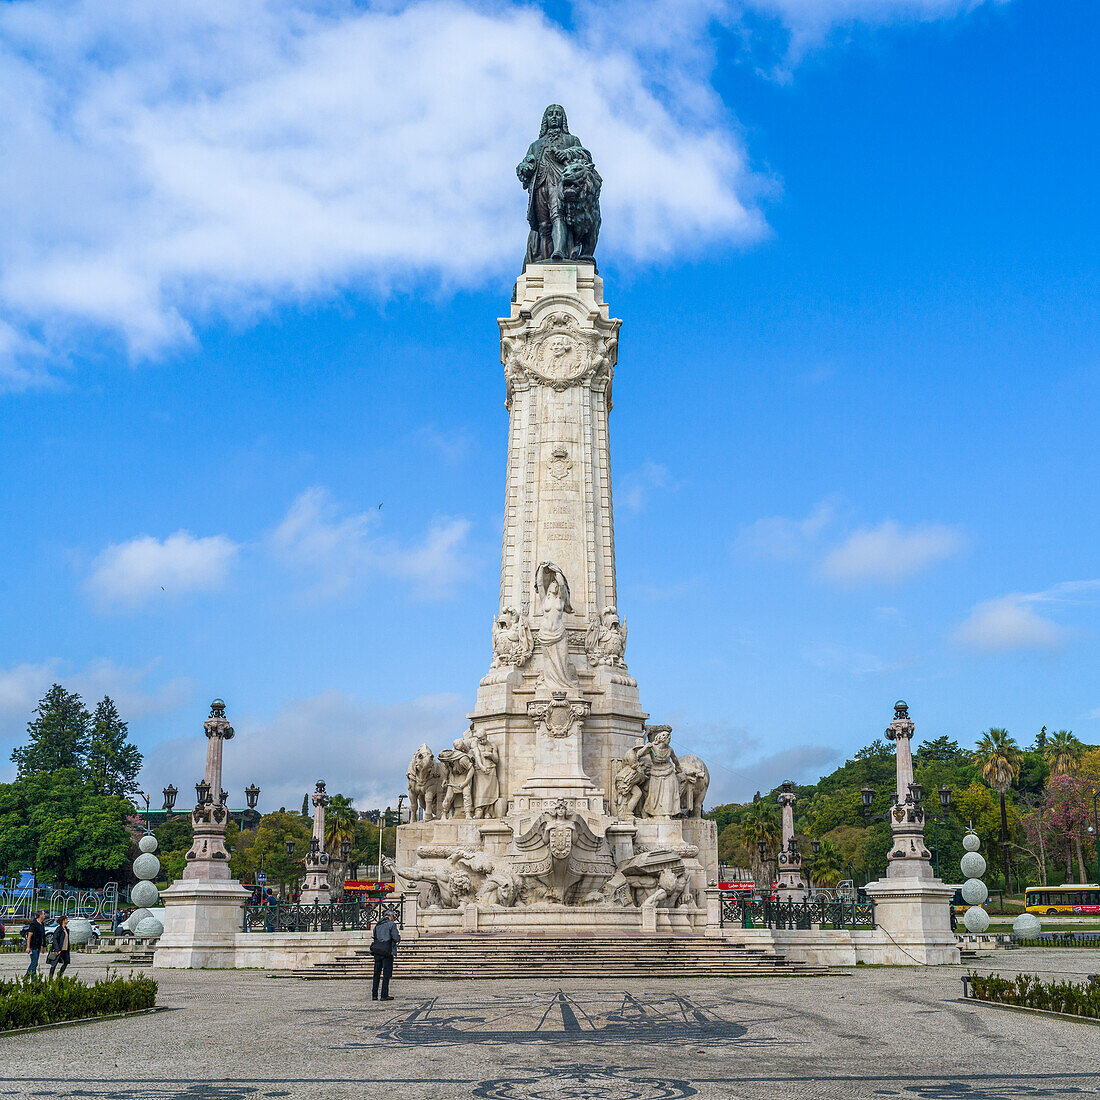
column 1048, row 901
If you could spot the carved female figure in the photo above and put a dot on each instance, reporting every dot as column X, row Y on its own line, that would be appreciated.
column 558, row 673
column 486, row 785
column 663, row 793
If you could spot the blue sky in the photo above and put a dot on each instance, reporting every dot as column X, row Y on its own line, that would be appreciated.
column 253, row 407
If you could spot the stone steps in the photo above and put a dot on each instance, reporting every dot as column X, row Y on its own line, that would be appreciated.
column 485, row 956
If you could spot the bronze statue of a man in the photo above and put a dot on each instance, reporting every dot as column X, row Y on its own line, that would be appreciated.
column 563, row 209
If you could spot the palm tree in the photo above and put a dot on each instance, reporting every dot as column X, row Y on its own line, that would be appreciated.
column 998, row 755
column 1063, row 752
column 340, row 819
column 760, row 822
column 824, row 866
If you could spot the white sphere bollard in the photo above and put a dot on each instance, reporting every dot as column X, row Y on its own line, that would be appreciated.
column 148, row 843
column 144, row 894
column 80, row 931
column 976, row 919
column 148, row 928
column 974, row 891
column 971, row 842
column 147, row 866
column 1027, row 926
column 972, row 865
column 135, row 918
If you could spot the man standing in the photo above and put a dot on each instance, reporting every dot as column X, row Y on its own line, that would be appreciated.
column 36, row 940
column 383, row 947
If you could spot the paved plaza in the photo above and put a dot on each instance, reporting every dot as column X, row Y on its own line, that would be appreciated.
column 867, row 1032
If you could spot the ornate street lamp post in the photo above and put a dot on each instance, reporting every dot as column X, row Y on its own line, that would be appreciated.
column 252, row 796
column 169, row 793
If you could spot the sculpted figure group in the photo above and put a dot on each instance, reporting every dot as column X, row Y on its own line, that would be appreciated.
column 464, row 781
column 653, row 782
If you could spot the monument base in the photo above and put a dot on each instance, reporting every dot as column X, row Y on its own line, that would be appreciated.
column 201, row 923
column 915, row 916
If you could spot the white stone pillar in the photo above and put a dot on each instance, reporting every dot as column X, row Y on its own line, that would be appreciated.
column 790, row 885
column 909, row 858
column 912, row 906
column 316, row 887
column 204, row 910
column 208, row 859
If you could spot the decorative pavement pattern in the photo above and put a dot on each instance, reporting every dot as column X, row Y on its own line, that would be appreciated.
column 579, row 1082
column 558, row 1018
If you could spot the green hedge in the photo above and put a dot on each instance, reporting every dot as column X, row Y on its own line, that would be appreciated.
column 1030, row 991
column 28, row 1003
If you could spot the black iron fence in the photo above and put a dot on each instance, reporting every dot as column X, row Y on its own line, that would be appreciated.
column 737, row 911
column 336, row 916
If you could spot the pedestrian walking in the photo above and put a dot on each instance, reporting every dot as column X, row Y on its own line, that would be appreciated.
column 36, row 940
column 383, row 946
column 59, row 947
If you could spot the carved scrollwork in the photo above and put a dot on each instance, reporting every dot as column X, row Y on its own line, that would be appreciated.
column 558, row 353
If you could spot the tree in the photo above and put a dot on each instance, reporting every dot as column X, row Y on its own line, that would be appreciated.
column 53, row 823
column 58, row 734
column 941, row 750
column 998, row 755
column 826, row 866
column 1068, row 810
column 876, row 750
column 1063, row 753
column 1041, row 742
column 112, row 762
column 340, row 819
column 306, row 812
column 760, row 823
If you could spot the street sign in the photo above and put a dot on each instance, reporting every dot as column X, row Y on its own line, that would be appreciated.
column 261, row 878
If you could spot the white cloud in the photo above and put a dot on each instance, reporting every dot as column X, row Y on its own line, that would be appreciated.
column 359, row 749
column 132, row 573
column 889, row 553
column 738, row 766
column 193, row 157
column 335, row 550
column 637, row 485
column 786, row 539
column 1011, row 622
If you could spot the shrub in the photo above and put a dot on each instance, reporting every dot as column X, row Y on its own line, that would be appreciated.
column 27, row 1002
column 1030, row 991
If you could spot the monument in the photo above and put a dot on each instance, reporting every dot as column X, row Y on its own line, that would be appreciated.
column 316, row 888
column 911, row 904
column 559, row 805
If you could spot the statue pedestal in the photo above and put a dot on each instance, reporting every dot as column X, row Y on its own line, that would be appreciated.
column 201, row 922
column 915, row 914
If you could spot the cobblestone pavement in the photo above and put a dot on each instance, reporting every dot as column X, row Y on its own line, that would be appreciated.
column 863, row 1032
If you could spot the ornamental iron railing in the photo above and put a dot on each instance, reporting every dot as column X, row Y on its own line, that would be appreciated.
column 335, row 916
column 737, row 911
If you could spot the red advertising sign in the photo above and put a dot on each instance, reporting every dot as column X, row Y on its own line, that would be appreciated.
column 367, row 887
column 738, row 884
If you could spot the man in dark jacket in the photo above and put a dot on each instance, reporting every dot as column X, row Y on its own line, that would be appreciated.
column 36, row 940
column 383, row 947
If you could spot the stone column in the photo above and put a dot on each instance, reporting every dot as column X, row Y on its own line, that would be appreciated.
column 204, row 910
column 909, row 858
column 208, row 859
column 790, row 886
column 912, row 906
column 316, row 887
